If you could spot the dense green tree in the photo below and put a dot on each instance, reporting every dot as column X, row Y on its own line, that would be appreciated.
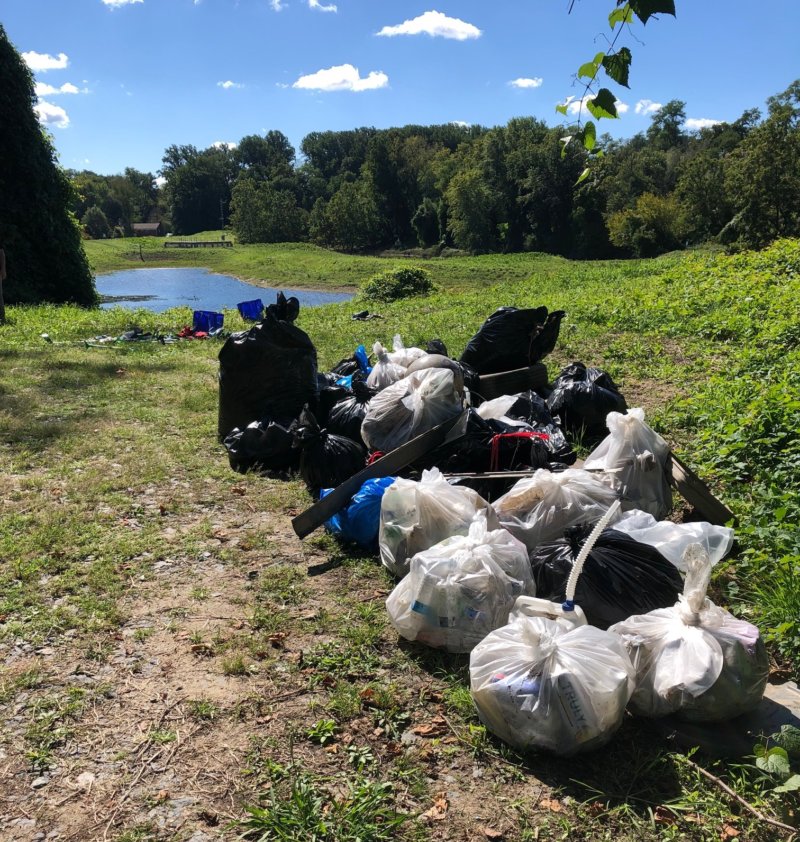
column 763, row 179
column 350, row 221
column 472, row 210
column 95, row 223
column 653, row 226
column 706, row 206
column 41, row 237
column 261, row 214
column 199, row 186
column 266, row 158
column 426, row 223
column 666, row 127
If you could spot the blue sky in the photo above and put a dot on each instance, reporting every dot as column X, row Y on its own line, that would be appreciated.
column 121, row 80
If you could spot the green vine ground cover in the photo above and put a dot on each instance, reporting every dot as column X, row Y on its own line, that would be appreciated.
column 707, row 343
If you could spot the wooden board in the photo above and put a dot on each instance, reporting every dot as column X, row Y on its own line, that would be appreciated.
column 512, row 382
column 312, row 518
column 698, row 494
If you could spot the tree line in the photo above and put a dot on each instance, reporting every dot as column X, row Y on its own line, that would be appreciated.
column 510, row 188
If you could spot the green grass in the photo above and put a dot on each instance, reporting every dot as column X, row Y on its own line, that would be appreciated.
column 109, row 463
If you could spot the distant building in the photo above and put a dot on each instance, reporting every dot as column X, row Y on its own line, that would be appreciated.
column 147, row 229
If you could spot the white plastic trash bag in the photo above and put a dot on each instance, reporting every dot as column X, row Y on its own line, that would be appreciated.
column 695, row 659
column 384, row 372
column 417, row 515
column 541, row 507
column 400, row 355
column 550, row 684
column 639, row 458
column 672, row 539
column 460, row 589
column 410, row 407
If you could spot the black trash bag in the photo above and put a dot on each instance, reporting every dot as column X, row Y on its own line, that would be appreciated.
column 345, row 367
column 262, row 445
column 268, row 371
column 582, row 397
column 326, row 380
column 512, row 338
column 347, row 415
column 284, row 309
column 326, row 460
column 532, row 409
column 436, row 346
column 326, row 400
column 472, row 452
column 621, row 577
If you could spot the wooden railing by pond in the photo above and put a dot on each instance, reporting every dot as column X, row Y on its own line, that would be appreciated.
column 198, row 244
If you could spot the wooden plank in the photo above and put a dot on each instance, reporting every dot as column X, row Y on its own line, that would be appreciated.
column 698, row 494
column 312, row 518
column 512, row 382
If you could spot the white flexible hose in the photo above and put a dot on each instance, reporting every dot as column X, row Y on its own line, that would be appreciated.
column 577, row 567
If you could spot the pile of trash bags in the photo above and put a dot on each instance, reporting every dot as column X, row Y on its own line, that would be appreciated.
column 575, row 596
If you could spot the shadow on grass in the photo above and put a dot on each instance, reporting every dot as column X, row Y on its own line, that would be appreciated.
column 36, row 417
column 634, row 771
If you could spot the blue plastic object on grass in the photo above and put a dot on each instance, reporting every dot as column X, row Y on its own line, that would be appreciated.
column 251, row 310
column 207, row 320
column 360, row 520
column 362, row 359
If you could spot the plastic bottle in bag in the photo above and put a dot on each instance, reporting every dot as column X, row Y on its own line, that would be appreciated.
column 410, row 407
column 461, row 588
column 417, row 515
column 384, row 372
column 695, row 659
column 540, row 508
column 552, row 684
column 639, row 458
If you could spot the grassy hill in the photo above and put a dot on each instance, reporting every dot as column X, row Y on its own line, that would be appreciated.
column 162, row 630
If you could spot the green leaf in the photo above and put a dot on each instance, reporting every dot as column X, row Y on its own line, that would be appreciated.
column 583, row 176
column 644, row 9
column 788, row 738
column 589, row 136
column 617, row 66
column 775, row 761
column 603, row 105
column 791, row 785
column 588, row 69
column 620, row 15
column 780, row 514
column 562, row 109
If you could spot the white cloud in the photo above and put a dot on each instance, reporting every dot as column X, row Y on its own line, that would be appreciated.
column 315, row 4
column 436, row 25
column 43, row 89
column 115, row 4
column 647, row 106
column 160, row 181
column 224, row 144
column 343, row 77
column 524, row 82
column 276, row 5
column 460, row 123
column 41, row 62
column 51, row 115
column 697, row 123
column 622, row 107
column 228, row 85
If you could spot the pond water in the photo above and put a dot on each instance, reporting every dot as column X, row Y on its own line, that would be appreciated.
column 159, row 289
